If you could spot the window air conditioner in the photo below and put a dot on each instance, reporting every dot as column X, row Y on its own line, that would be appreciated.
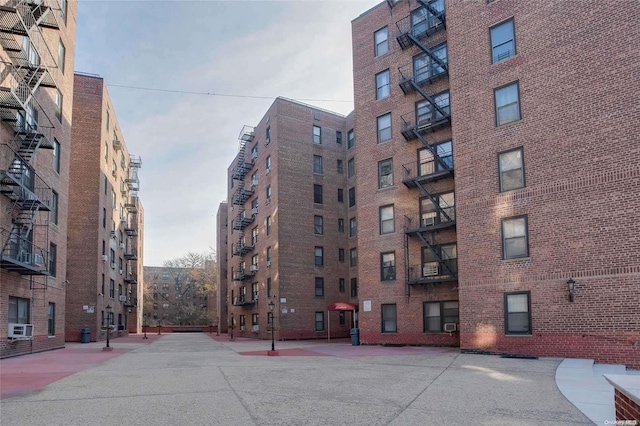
column 20, row 331
column 121, row 271
column 254, row 268
column 104, row 257
column 268, row 263
column 450, row 327
column 37, row 260
column 113, row 266
column 122, row 245
column 429, row 270
column 268, row 201
column 428, row 221
column 254, row 210
column 122, row 298
column 255, row 328
column 268, row 141
column 268, row 170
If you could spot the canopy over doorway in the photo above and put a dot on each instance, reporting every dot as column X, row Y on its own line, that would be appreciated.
column 340, row 306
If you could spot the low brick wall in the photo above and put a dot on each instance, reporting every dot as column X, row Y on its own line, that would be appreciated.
column 626, row 408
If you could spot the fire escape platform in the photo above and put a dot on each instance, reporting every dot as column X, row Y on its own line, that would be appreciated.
column 437, row 227
column 433, row 177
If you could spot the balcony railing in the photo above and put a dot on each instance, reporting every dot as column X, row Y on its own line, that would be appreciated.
column 430, row 221
column 242, row 301
column 247, row 133
column 21, row 255
column 426, row 123
column 427, row 171
column 434, row 272
column 20, row 182
column 131, row 278
column 243, row 274
column 131, row 254
column 242, row 195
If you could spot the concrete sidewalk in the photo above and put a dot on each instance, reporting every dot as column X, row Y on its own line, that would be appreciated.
column 194, row 379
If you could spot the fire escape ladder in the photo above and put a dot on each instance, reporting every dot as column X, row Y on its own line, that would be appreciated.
column 433, row 151
column 429, row 99
column 429, row 52
column 440, row 16
column 435, row 202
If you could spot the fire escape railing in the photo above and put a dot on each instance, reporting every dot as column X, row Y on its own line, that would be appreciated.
column 20, row 182
column 21, row 255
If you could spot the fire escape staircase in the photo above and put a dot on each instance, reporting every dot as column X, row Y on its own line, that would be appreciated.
column 243, row 219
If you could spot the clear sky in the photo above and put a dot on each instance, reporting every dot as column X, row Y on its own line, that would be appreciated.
column 297, row 49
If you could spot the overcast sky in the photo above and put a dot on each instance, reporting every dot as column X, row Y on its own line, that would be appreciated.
column 298, row 49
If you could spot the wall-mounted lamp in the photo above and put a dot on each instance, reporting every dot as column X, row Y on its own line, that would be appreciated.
column 571, row 284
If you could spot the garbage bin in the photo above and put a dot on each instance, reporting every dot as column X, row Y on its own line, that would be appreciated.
column 85, row 335
column 355, row 337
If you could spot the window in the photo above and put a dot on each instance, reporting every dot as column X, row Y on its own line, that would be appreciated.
column 119, row 289
column 255, row 319
column 503, row 43
column 381, row 40
column 61, row 54
column 317, row 135
column 446, row 266
column 254, row 178
column 389, row 318
column 340, row 195
column 267, row 136
column 254, row 204
column 268, row 225
column 254, row 292
column 437, row 314
column 351, row 168
column 341, row 255
column 317, row 164
column 425, row 67
column 423, row 20
column 517, row 313
column 427, row 164
column 268, row 193
column 384, row 128
column 442, row 211
column 269, row 254
column 342, row 318
column 268, row 287
column 353, row 257
column 354, row 287
column 107, row 120
column 511, row 165
column 102, row 285
column 319, row 321
column 243, row 322
column 319, row 256
column 388, row 266
column 352, row 197
column 54, row 207
column 341, row 285
column 387, row 224
column 339, row 166
column 106, row 152
column 63, row 10
column 341, row 225
column 515, row 237
column 53, row 259
column 317, row 194
column 426, row 113
column 339, row 137
column 59, row 105
column 319, row 287
column 18, row 310
column 385, row 173
column 268, row 165
column 112, row 288
column 56, row 155
column 353, row 227
column 254, row 152
column 113, row 200
column 507, row 101
column 318, row 225
column 351, row 139
column 383, row 86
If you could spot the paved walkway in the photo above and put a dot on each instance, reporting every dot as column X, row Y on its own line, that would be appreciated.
column 194, row 379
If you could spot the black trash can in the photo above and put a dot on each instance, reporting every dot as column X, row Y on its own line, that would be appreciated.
column 85, row 335
column 355, row 337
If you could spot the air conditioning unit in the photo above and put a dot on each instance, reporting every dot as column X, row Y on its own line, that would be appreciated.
column 268, row 170
column 254, row 210
column 450, row 327
column 268, row 263
column 114, row 172
column 113, row 266
column 253, row 268
column 268, row 141
column 37, row 260
column 104, row 257
column 268, row 201
column 20, row 331
column 429, row 270
column 428, row 221
column 255, row 328
column 121, row 271
column 121, row 245
column 113, row 234
column 122, row 298
column 242, row 328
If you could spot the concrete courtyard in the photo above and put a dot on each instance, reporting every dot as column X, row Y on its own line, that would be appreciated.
column 201, row 379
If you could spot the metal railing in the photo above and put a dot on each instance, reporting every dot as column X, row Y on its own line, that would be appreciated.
column 22, row 251
column 434, row 271
column 20, row 182
column 426, row 169
column 430, row 219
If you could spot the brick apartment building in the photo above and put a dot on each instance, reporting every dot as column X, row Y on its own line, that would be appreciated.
column 498, row 165
column 104, row 263
column 36, row 95
column 291, row 197
column 176, row 297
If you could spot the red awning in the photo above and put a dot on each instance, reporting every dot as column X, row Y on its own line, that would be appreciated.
column 342, row 306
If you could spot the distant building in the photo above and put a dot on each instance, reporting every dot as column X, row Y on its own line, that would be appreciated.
column 37, row 52
column 290, row 231
column 104, row 265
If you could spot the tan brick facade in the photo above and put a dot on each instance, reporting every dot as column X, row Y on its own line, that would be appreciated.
column 105, row 219
column 38, row 47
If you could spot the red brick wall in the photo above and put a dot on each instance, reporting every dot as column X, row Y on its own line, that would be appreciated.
column 626, row 408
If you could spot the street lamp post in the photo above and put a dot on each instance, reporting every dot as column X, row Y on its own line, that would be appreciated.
column 231, row 328
column 273, row 341
column 145, row 326
column 108, row 308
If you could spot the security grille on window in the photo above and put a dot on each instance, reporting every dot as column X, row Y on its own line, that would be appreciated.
column 319, row 286
column 317, row 164
column 317, row 135
column 424, row 67
column 389, row 320
column 511, row 165
column 426, row 113
column 387, row 224
column 384, row 128
column 427, row 163
column 515, row 237
column 318, row 225
column 319, row 256
column 388, row 266
column 317, row 194
column 503, row 43
column 385, row 173
column 517, row 313
column 437, row 314
column 319, row 321
column 381, row 40
column 382, row 84
column 507, row 102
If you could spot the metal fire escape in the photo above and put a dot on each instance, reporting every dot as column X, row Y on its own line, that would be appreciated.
column 131, row 230
column 243, row 244
column 27, row 65
column 438, row 261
